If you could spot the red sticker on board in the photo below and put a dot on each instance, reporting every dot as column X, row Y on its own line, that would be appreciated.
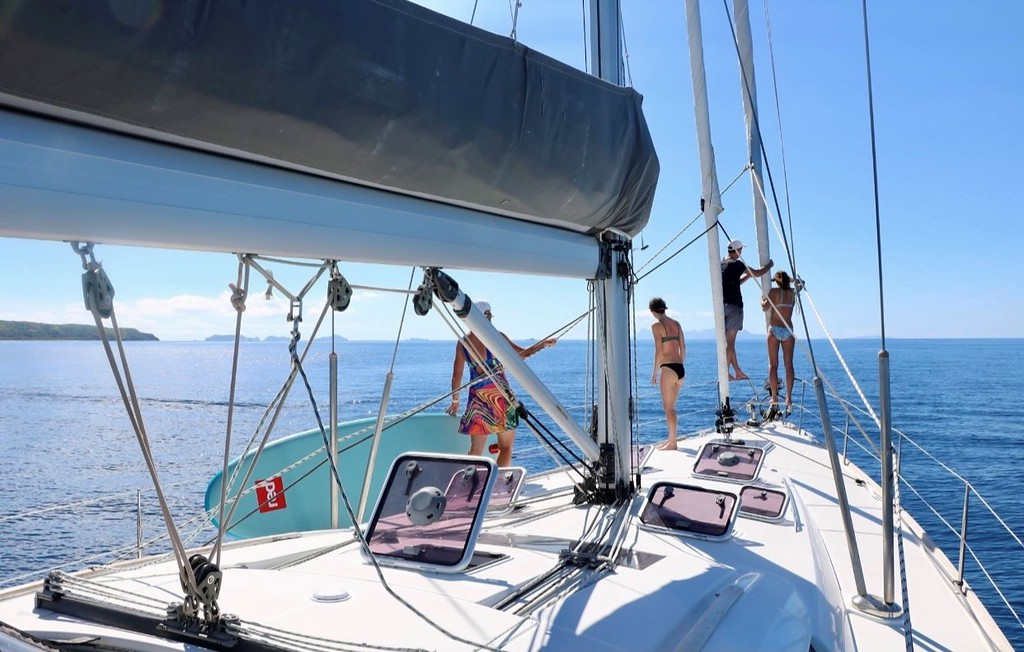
column 270, row 494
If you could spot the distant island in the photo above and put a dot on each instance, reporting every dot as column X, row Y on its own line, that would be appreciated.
column 30, row 330
column 268, row 338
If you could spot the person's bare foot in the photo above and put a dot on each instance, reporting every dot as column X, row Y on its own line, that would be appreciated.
column 670, row 445
column 739, row 376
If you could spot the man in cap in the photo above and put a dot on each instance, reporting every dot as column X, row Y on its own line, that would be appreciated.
column 734, row 273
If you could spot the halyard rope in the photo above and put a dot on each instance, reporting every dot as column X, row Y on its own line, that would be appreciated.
column 99, row 299
column 239, row 294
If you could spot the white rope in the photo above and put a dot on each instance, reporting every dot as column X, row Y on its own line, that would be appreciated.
column 282, row 394
column 96, row 286
column 239, row 294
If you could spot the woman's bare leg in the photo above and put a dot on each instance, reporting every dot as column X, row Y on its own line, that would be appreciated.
column 787, row 358
column 670, row 385
column 477, row 444
column 773, row 367
column 505, row 440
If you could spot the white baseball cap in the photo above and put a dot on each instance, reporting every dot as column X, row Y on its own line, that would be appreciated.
column 735, row 245
column 482, row 306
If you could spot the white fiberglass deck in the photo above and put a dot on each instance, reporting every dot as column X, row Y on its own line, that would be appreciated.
column 783, row 584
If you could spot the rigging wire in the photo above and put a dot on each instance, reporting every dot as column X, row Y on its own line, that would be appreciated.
column 874, row 174
column 625, row 48
column 586, row 50
column 894, row 502
column 401, row 323
column 515, row 17
column 782, row 142
column 678, row 251
column 589, row 377
column 756, row 127
column 634, row 409
column 296, row 302
column 805, row 344
column 699, row 215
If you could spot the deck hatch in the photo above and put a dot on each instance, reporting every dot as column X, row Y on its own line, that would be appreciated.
column 762, row 503
column 723, row 461
column 689, row 509
column 430, row 511
column 507, row 485
column 640, row 455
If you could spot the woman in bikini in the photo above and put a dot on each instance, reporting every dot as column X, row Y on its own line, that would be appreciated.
column 669, row 353
column 491, row 407
column 779, row 304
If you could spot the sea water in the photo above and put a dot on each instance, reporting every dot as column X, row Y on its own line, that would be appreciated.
column 72, row 470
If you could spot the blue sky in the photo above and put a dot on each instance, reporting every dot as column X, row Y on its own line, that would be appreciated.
column 948, row 81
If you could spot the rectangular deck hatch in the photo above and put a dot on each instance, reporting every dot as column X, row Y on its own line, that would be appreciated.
column 507, row 485
column 688, row 509
column 762, row 503
column 430, row 511
column 723, row 461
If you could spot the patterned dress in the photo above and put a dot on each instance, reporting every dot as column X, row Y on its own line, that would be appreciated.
column 488, row 410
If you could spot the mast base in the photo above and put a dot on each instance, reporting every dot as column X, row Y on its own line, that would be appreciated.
column 875, row 606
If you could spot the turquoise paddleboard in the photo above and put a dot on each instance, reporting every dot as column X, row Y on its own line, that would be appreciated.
column 298, row 499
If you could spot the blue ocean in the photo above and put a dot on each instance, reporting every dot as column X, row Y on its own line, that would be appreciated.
column 73, row 473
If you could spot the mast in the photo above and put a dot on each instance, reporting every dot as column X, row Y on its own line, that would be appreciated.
column 745, row 48
column 613, row 288
column 711, row 199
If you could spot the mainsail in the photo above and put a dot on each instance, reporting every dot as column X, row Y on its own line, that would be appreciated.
column 382, row 94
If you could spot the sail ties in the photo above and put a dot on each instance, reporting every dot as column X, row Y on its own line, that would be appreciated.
column 98, row 293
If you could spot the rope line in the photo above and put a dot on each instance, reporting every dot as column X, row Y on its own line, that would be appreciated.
column 239, row 294
column 699, row 215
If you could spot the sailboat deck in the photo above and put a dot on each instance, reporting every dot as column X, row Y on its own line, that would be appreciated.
column 770, row 584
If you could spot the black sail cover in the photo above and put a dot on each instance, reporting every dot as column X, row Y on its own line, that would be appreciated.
column 381, row 93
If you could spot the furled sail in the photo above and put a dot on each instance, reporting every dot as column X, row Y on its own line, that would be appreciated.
column 380, row 93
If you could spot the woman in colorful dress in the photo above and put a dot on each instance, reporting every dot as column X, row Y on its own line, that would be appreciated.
column 491, row 406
